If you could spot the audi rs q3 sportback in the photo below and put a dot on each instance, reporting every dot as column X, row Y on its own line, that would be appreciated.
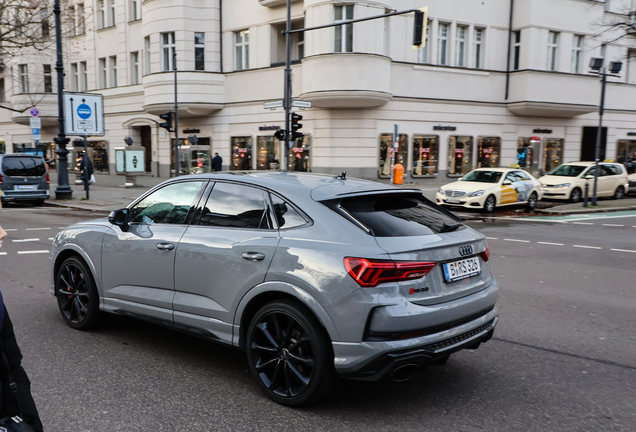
column 311, row 275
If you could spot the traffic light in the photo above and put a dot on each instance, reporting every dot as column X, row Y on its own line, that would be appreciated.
column 419, row 28
column 167, row 118
column 280, row 134
column 295, row 126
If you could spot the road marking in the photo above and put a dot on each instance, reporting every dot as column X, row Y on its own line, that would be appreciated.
column 553, row 244
column 623, row 250
column 617, row 225
column 587, row 247
column 517, row 240
column 491, row 238
column 25, row 240
column 3, row 253
column 37, row 229
column 582, row 223
column 51, row 238
column 603, row 217
column 32, row 252
column 12, row 229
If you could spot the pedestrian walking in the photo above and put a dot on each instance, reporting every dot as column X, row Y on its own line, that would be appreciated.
column 86, row 168
column 217, row 162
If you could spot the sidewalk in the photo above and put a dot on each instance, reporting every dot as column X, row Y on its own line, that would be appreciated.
column 603, row 205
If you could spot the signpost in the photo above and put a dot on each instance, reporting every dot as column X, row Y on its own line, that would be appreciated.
column 84, row 115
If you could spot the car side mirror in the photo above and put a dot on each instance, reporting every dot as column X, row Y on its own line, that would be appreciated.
column 119, row 218
column 507, row 182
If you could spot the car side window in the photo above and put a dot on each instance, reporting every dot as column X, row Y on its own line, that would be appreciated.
column 522, row 176
column 168, row 205
column 511, row 177
column 605, row 171
column 286, row 215
column 236, row 206
column 615, row 170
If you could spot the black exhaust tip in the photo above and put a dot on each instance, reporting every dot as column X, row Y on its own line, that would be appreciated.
column 405, row 372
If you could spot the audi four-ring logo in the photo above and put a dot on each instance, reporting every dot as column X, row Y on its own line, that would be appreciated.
column 465, row 250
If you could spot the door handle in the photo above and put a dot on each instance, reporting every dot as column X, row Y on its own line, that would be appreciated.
column 165, row 246
column 253, row 256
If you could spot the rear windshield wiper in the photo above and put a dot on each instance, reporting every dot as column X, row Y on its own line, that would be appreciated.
column 450, row 227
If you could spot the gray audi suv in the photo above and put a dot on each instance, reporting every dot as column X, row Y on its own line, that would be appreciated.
column 313, row 276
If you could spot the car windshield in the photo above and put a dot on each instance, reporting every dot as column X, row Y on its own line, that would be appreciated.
column 395, row 215
column 567, row 170
column 483, row 176
column 23, row 166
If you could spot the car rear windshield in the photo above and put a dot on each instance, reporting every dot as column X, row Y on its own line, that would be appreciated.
column 567, row 170
column 397, row 215
column 23, row 166
column 483, row 176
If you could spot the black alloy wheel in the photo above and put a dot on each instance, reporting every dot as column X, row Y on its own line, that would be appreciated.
column 77, row 296
column 575, row 196
column 289, row 354
column 620, row 192
column 532, row 201
column 490, row 204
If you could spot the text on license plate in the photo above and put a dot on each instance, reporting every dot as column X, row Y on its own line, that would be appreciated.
column 25, row 187
column 452, row 201
column 461, row 269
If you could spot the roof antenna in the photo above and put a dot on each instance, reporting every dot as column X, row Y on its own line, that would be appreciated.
column 342, row 176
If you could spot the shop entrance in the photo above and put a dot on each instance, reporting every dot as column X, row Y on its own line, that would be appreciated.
column 146, row 143
column 588, row 143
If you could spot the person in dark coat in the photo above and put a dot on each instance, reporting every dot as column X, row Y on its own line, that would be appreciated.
column 217, row 162
column 86, row 168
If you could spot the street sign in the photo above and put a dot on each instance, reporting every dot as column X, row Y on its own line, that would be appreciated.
column 272, row 105
column 35, row 122
column 34, row 112
column 37, row 137
column 83, row 114
column 301, row 104
column 35, row 131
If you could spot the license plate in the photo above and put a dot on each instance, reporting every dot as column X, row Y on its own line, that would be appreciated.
column 25, row 187
column 461, row 269
column 452, row 201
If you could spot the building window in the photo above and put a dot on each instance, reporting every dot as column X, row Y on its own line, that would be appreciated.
column 81, row 22
column 460, row 155
column 528, row 151
column 134, row 10
column 167, row 51
column 46, row 28
column 103, row 73
column 576, row 53
column 48, row 79
column 113, row 17
column 488, row 150
column 84, row 76
column 343, row 35
column 553, row 41
column 267, row 153
column 625, row 152
column 23, row 71
column 102, row 13
column 113, row 71
column 73, row 14
column 424, row 53
column 517, row 50
column 478, row 48
column 242, row 50
column 442, row 44
column 300, row 45
column 147, row 51
column 384, row 165
column 241, row 153
column 300, row 154
column 134, row 68
column 425, row 155
column 552, row 153
column 199, row 51
column 74, row 77
column 460, row 46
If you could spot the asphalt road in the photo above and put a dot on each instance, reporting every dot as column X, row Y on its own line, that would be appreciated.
column 563, row 357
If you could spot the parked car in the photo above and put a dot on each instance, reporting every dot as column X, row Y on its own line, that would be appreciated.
column 567, row 181
column 311, row 275
column 488, row 188
column 24, row 178
column 632, row 183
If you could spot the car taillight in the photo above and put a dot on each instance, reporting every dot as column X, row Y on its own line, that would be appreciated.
column 0, row 178
column 370, row 273
column 485, row 255
column 47, row 178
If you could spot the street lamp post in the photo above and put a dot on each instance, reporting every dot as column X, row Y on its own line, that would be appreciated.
column 63, row 190
column 596, row 64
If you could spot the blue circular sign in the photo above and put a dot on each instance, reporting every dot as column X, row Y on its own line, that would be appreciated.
column 84, row 111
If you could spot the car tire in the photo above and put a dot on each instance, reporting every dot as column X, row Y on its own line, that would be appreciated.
column 77, row 296
column 620, row 193
column 531, row 205
column 289, row 354
column 490, row 204
column 575, row 195
column 38, row 203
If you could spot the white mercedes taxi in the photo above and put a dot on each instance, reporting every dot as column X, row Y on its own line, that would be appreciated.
column 488, row 188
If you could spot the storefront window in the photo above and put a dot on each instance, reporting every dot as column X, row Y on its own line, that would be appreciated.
column 384, row 167
column 528, row 150
column 626, row 154
column 425, row 155
column 2, row 147
column 300, row 155
column 241, row 153
column 97, row 153
column 552, row 153
column 460, row 155
column 488, row 150
column 267, row 153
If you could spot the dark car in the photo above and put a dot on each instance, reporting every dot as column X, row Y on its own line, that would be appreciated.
column 24, row 178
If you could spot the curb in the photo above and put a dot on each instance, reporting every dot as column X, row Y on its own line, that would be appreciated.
column 587, row 210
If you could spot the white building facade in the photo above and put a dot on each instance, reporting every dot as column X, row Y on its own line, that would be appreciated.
column 499, row 82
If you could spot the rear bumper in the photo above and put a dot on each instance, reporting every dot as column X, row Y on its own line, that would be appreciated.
column 13, row 196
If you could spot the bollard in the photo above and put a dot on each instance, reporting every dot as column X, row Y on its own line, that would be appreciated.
column 587, row 188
